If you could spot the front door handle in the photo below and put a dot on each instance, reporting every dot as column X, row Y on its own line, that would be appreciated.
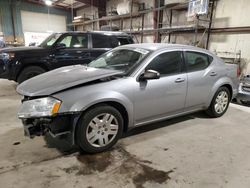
column 213, row 74
column 179, row 80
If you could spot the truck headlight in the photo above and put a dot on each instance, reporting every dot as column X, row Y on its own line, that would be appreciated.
column 42, row 107
column 7, row 55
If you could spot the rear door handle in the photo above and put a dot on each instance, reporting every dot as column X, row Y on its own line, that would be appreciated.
column 179, row 80
column 213, row 74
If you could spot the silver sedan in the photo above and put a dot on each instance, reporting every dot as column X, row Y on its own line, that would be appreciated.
column 129, row 86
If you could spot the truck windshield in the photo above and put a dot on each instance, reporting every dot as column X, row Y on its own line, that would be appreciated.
column 50, row 40
column 123, row 59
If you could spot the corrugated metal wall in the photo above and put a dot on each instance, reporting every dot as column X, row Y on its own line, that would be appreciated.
column 5, row 13
column 6, row 6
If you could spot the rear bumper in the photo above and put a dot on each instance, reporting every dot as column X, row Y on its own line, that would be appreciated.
column 62, row 126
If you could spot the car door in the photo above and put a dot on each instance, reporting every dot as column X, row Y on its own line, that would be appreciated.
column 155, row 99
column 71, row 49
column 201, row 78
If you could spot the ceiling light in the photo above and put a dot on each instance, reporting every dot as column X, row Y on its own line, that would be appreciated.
column 48, row 2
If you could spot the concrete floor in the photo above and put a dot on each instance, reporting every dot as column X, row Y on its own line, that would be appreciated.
column 191, row 151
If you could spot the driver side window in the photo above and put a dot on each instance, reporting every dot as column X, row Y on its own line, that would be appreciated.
column 167, row 63
column 75, row 41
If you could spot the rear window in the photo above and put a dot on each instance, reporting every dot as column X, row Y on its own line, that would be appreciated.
column 106, row 41
column 197, row 61
column 101, row 41
column 124, row 40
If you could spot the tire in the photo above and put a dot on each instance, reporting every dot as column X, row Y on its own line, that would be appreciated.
column 244, row 102
column 220, row 103
column 29, row 72
column 94, row 136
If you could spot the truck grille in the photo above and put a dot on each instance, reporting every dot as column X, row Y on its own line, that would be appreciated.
column 246, row 88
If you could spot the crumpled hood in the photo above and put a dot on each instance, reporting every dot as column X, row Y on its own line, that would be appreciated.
column 62, row 78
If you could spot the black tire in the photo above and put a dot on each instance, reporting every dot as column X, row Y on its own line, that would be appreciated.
column 244, row 103
column 83, row 128
column 29, row 72
column 211, row 111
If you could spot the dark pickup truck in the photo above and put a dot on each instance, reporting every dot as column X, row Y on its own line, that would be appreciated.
column 58, row 50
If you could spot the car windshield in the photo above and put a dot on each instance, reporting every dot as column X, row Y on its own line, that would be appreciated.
column 50, row 40
column 123, row 60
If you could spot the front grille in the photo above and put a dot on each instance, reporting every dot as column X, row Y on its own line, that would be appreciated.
column 246, row 88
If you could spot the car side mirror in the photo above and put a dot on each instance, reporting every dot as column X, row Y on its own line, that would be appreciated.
column 150, row 75
column 60, row 46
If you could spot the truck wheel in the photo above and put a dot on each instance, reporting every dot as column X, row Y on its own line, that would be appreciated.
column 29, row 72
column 99, row 129
column 220, row 103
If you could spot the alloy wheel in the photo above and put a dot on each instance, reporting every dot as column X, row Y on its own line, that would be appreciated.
column 221, row 102
column 102, row 129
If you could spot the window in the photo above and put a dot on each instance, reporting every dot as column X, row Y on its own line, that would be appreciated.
column 123, row 60
column 75, row 41
column 49, row 41
column 124, row 40
column 101, row 41
column 66, row 40
column 81, row 41
column 167, row 63
column 197, row 61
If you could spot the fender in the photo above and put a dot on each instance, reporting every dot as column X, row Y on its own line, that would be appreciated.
column 86, row 101
column 220, row 82
column 82, row 105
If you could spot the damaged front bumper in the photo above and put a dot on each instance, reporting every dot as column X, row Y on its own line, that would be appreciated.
column 62, row 126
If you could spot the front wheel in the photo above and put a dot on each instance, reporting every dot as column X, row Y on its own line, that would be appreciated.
column 220, row 103
column 29, row 72
column 99, row 129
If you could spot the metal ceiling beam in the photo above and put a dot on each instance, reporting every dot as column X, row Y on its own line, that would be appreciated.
column 42, row 3
column 77, row 5
column 96, row 3
column 58, row 1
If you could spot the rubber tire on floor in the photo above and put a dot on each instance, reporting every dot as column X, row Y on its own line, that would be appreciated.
column 211, row 110
column 83, row 122
column 25, row 74
column 247, row 103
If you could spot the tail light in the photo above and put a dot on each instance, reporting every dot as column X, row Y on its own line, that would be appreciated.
column 238, row 71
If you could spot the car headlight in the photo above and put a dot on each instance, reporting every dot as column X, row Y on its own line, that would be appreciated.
column 42, row 107
column 7, row 55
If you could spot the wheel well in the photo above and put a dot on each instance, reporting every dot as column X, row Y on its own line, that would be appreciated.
column 117, row 106
column 229, row 87
column 30, row 65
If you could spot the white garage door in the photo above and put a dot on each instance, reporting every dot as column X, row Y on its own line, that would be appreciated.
column 40, row 22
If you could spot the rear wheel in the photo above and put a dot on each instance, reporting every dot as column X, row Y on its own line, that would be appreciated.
column 29, row 72
column 99, row 129
column 220, row 103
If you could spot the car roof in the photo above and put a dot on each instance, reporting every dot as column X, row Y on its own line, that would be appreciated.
column 116, row 33
column 160, row 46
